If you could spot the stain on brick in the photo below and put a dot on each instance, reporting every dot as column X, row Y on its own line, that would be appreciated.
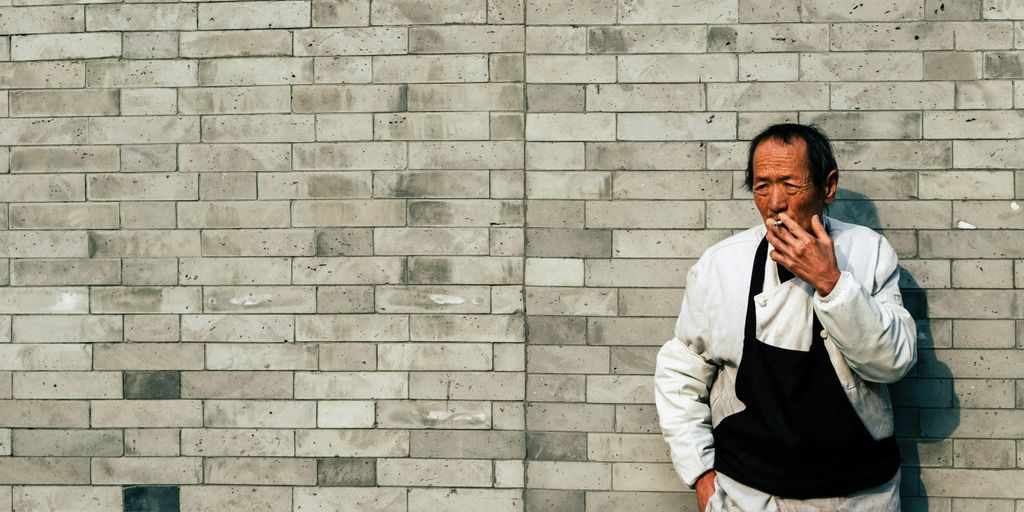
column 344, row 242
column 346, row 472
column 607, row 40
column 152, row 385
column 150, row 499
column 721, row 39
column 430, row 271
column 554, row 501
column 556, row 446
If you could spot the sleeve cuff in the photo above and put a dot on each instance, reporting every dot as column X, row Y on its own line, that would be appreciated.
column 837, row 291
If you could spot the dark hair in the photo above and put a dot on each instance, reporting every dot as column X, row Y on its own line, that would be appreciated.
column 820, row 159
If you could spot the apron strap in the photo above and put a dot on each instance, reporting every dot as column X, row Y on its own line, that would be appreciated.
column 756, row 285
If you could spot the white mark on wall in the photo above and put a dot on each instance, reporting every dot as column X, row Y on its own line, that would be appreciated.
column 965, row 225
column 251, row 300
column 1014, row 206
column 440, row 298
column 67, row 301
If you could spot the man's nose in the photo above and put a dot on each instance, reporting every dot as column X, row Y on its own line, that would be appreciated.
column 777, row 200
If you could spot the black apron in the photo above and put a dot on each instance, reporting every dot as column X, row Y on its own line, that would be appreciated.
column 799, row 436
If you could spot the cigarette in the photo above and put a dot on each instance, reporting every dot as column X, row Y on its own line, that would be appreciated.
column 778, row 223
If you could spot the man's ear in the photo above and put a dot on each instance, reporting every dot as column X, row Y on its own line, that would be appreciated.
column 831, row 186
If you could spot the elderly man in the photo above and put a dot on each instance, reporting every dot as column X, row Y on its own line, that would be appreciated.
column 772, row 394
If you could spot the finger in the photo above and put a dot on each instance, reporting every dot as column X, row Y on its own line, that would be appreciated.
column 791, row 225
column 819, row 229
column 775, row 241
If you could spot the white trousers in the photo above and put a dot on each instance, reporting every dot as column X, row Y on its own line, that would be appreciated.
column 732, row 496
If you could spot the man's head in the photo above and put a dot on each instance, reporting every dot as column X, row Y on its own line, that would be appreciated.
column 791, row 170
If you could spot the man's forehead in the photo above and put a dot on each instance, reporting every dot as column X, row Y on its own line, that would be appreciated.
column 779, row 156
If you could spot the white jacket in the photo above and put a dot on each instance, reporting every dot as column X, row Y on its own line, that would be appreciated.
column 870, row 337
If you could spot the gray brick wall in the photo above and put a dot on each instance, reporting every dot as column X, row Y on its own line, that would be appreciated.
column 406, row 256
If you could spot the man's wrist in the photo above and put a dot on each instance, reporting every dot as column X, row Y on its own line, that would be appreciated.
column 826, row 285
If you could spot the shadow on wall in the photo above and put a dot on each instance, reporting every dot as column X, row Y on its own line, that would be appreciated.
column 927, row 408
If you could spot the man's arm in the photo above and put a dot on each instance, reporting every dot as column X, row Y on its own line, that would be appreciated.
column 872, row 329
column 682, row 382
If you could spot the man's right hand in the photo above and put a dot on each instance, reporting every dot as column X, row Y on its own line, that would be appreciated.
column 705, row 487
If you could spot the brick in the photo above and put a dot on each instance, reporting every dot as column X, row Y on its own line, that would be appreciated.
column 434, row 356
column 149, row 45
column 84, row 498
column 146, row 413
column 48, row 131
column 556, row 388
column 465, row 212
column 259, row 414
column 98, row 102
column 352, row 443
column 556, row 40
column 64, row 356
column 38, row 75
column 252, row 71
column 434, row 472
column 65, row 271
column 677, row 68
column 769, row 67
column 466, row 39
column 994, row 94
column 543, row 500
column 44, row 470
column 221, row 498
column 234, row 100
column 65, row 385
column 647, row 39
column 503, row 385
column 984, row 393
column 862, row 66
column 44, row 300
column 408, row 12
column 258, row 242
column 236, row 442
column 259, row 471
column 499, row 500
column 663, row 11
column 957, row 10
column 768, row 38
column 662, row 126
column 973, row 125
column 347, row 472
column 127, row 73
column 418, row 414
column 468, row 270
column 956, row 482
column 349, row 385
column 768, row 96
column 570, row 68
column 234, row 157
column 379, row 499
column 569, row 475
column 351, row 328
column 571, row 12
column 236, row 384
column 351, row 41
column 893, row 96
column 74, row 443
column 65, row 46
column 348, row 357
column 132, row 17
column 866, row 125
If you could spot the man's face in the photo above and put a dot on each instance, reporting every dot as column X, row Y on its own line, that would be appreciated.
column 783, row 184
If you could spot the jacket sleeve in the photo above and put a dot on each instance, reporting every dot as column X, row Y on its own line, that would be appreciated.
column 872, row 329
column 682, row 381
